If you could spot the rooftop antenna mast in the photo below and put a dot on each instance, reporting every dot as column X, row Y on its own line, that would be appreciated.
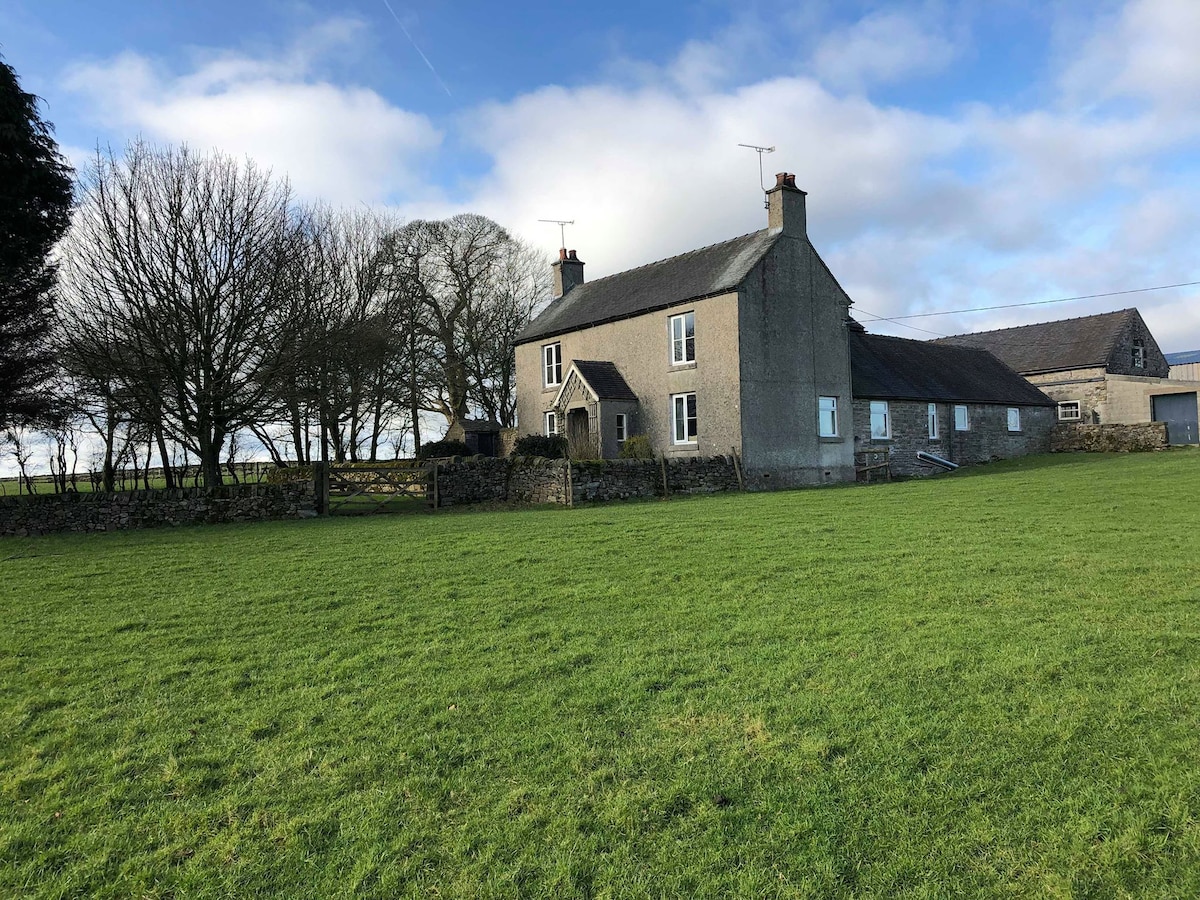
column 760, row 151
column 562, row 228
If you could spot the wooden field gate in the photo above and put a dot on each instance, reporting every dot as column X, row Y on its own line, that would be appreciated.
column 364, row 489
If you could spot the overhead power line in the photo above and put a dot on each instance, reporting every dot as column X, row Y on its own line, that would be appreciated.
column 955, row 312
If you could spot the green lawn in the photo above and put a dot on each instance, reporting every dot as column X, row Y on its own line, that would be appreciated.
column 982, row 685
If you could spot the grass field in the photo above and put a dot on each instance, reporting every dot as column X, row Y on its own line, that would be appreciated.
column 986, row 685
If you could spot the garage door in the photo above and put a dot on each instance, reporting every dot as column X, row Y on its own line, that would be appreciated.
column 1179, row 412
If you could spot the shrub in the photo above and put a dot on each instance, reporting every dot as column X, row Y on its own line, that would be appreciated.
column 637, row 446
column 439, row 449
column 552, row 446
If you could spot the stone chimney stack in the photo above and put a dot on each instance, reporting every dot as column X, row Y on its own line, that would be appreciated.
column 568, row 272
column 785, row 206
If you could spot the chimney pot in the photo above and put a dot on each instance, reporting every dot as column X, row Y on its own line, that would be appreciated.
column 562, row 252
column 571, row 254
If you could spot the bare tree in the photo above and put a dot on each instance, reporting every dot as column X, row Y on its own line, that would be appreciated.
column 176, row 271
column 468, row 287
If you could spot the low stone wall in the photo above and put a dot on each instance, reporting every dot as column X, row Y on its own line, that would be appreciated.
column 37, row 514
column 1109, row 438
column 535, row 480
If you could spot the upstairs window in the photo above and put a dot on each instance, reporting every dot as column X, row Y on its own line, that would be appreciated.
column 683, row 339
column 1139, row 354
column 962, row 418
column 827, row 424
column 931, row 415
column 552, row 358
column 683, row 418
column 1068, row 411
column 1014, row 419
column 881, row 420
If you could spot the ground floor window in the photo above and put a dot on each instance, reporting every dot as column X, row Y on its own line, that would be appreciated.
column 551, row 423
column 931, row 415
column 1068, row 411
column 962, row 418
column 621, row 431
column 1014, row 419
column 881, row 420
column 827, row 417
column 683, row 418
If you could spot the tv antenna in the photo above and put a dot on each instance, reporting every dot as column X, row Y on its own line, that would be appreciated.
column 760, row 151
column 562, row 228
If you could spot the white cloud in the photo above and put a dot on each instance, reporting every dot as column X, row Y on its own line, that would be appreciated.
column 1147, row 52
column 881, row 48
column 341, row 143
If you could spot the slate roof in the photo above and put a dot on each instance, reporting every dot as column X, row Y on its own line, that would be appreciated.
column 706, row 272
column 1051, row 346
column 892, row 368
column 604, row 379
column 1183, row 357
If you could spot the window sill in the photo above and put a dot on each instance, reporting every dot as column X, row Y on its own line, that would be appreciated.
column 831, row 439
column 679, row 367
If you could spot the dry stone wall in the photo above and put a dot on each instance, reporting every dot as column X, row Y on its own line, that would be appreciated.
column 1109, row 438
column 30, row 515
column 535, row 480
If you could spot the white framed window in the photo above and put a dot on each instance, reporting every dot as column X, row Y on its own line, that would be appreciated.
column 827, row 423
column 551, row 423
column 1139, row 354
column 621, row 429
column 881, row 420
column 683, row 339
column 931, row 415
column 683, row 418
column 1068, row 411
column 552, row 364
column 962, row 418
column 1014, row 419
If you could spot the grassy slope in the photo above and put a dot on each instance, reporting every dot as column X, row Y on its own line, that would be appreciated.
column 983, row 685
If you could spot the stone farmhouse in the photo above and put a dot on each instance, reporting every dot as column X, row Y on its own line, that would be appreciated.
column 1102, row 369
column 749, row 346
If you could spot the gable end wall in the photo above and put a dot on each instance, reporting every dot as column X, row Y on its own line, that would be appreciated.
column 794, row 348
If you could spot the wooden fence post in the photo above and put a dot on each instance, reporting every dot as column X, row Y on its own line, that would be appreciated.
column 321, row 487
column 737, row 468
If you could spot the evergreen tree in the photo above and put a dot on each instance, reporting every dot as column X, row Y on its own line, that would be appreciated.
column 35, row 207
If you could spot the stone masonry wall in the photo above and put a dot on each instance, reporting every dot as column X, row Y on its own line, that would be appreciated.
column 1109, row 438
column 987, row 438
column 535, row 480
column 38, row 514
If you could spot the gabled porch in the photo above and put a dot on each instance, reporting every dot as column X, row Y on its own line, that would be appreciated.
column 597, row 408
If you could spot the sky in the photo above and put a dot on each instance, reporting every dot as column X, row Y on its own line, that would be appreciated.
column 956, row 154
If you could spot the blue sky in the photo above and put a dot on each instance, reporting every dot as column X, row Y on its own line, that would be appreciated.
column 955, row 154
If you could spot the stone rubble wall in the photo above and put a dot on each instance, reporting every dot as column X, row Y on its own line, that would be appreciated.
column 536, row 480
column 1109, row 438
column 37, row 514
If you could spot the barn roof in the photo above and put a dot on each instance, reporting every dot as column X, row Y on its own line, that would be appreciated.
column 892, row 368
column 1051, row 346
